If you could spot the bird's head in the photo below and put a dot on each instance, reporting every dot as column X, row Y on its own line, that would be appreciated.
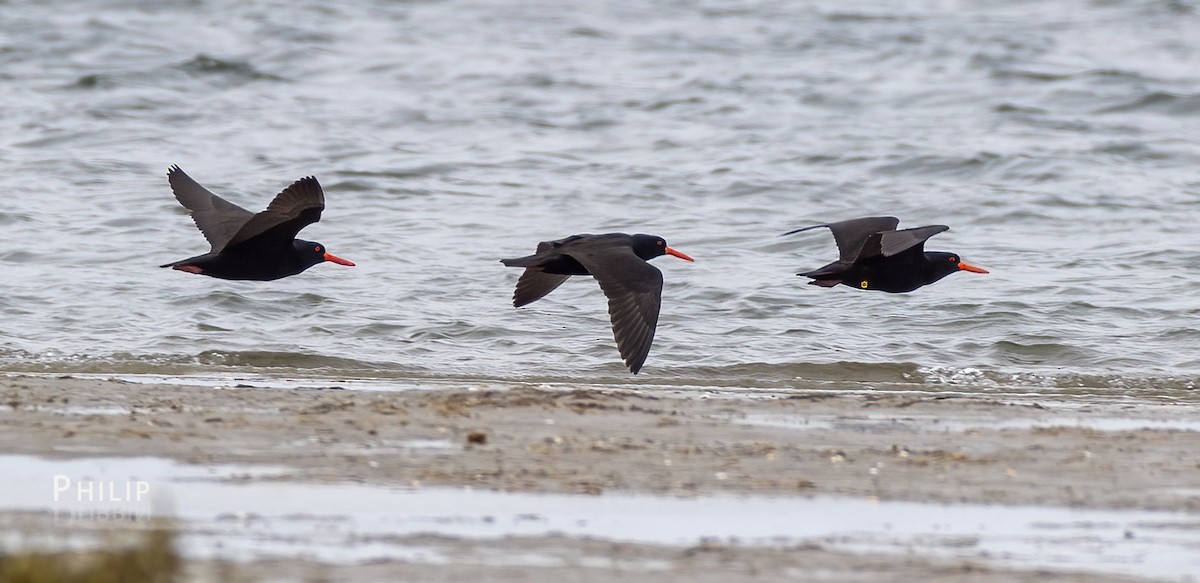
column 314, row 253
column 648, row 247
column 944, row 264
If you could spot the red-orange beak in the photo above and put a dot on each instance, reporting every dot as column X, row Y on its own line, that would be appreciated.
column 971, row 268
column 679, row 254
column 338, row 260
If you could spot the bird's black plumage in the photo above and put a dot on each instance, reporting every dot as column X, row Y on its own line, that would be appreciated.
column 873, row 255
column 618, row 262
column 251, row 246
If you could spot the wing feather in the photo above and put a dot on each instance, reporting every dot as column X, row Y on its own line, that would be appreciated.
column 218, row 219
column 634, row 290
column 896, row 242
column 534, row 284
column 852, row 236
column 296, row 207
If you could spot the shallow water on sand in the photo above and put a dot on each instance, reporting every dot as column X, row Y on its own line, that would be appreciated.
column 1058, row 140
column 357, row 523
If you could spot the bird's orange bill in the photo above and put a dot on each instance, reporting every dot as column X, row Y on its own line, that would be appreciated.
column 971, row 268
column 679, row 254
column 338, row 260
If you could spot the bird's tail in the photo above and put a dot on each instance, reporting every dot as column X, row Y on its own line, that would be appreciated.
column 835, row 270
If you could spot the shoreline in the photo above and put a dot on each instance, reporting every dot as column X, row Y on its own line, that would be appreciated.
column 887, row 446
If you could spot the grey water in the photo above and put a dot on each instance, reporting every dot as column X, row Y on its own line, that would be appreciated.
column 1059, row 140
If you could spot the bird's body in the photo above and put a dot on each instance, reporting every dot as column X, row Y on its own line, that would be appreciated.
column 251, row 246
column 254, row 261
column 873, row 255
column 618, row 262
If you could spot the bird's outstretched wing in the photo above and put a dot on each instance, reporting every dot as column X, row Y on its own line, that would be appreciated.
column 296, row 207
column 896, row 242
column 218, row 219
column 634, row 290
column 534, row 284
column 851, row 236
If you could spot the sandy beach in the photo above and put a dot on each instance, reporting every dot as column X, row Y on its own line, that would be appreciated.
column 1103, row 453
column 401, row 420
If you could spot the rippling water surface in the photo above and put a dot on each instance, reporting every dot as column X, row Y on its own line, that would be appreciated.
column 1058, row 139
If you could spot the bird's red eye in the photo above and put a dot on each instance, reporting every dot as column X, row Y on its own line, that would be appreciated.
column 953, row 259
column 662, row 243
column 317, row 248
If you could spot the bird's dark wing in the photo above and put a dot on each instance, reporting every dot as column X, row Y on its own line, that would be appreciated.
column 542, row 254
column 634, row 290
column 851, row 235
column 534, row 284
column 298, row 206
column 895, row 242
column 218, row 219
column 545, row 246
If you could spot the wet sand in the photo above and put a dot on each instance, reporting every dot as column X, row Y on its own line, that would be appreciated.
column 990, row 448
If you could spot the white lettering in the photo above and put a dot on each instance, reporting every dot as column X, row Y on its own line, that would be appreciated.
column 112, row 491
column 61, row 484
column 99, row 490
column 79, row 490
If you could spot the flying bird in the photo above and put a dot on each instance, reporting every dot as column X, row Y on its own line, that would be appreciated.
column 873, row 255
column 618, row 262
column 252, row 246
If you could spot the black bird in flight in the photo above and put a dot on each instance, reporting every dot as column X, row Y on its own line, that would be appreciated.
column 618, row 262
column 874, row 255
column 252, row 246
